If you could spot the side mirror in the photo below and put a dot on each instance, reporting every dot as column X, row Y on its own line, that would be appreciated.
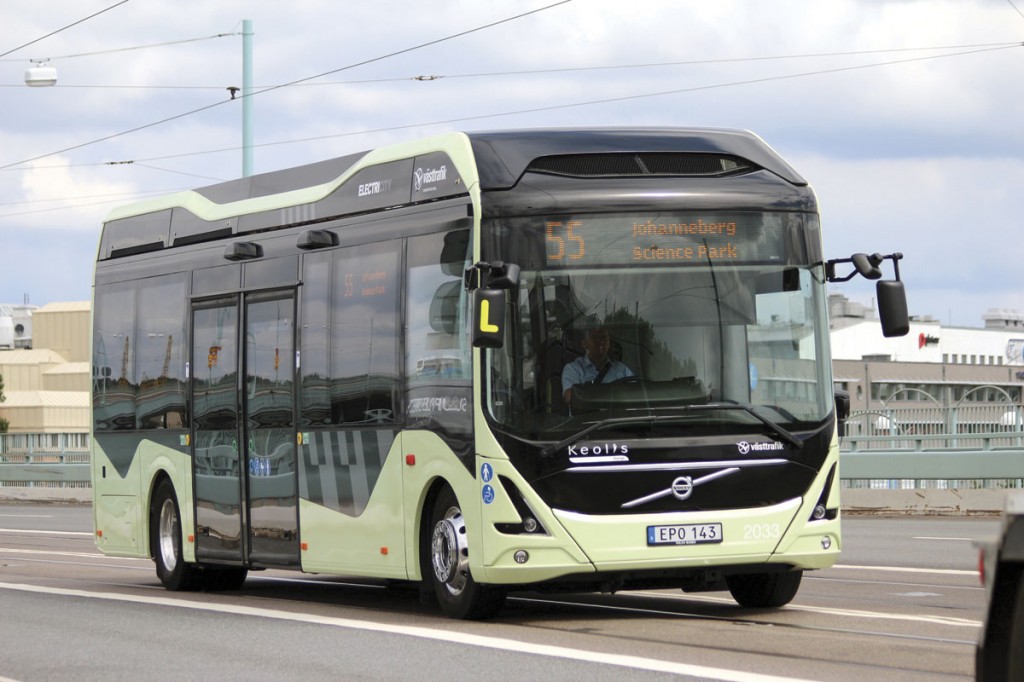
column 892, row 308
column 489, row 283
column 488, row 318
column 892, row 297
column 842, row 411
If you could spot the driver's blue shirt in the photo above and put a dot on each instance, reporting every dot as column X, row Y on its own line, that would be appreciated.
column 581, row 370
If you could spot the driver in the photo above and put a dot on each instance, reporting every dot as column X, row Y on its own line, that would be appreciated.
column 594, row 367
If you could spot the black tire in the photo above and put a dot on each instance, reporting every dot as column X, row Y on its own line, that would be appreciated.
column 446, row 564
column 764, row 590
column 165, row 533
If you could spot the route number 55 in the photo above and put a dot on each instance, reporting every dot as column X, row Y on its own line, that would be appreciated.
column 563, row 242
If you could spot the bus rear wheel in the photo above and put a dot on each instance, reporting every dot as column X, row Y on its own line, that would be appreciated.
column 447, row 548
column 764, row 590
column 165, row 528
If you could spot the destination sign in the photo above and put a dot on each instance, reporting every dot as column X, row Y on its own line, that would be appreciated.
column 683, row 238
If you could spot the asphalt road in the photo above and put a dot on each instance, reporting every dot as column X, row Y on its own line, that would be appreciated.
column 904, row 603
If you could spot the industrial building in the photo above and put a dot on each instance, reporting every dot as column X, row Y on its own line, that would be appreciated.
column 46, row 368
column 931, row 367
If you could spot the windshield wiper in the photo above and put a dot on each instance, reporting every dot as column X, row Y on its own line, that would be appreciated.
column 774, row 427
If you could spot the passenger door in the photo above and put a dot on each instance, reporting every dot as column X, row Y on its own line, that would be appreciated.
column 244, row 429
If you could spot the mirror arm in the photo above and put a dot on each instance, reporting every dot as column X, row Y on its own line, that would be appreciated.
column 895, row 258
column 493, row 275
column 866, row 261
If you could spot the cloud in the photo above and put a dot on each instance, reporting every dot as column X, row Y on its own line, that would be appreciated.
column 923, row 157
column 78, row 194
column 953, row 218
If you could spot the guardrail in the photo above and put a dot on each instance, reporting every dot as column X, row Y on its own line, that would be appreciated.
column 898, row 453
column 972, row 446
column 44, row 460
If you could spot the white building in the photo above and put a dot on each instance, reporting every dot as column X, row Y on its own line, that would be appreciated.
column 856, row 335
column 15, row 326
column 932, row 367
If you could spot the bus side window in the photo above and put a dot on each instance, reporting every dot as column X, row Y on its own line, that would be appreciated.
column 314, row 339
column 364, row 334
column 438, row 355
column 113, row 358
column 161, row 353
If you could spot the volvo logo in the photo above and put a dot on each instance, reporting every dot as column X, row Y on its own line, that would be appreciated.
column 682, row 487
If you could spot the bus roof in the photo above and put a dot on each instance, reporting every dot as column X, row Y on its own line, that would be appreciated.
column 503, row 156
column 438, row 167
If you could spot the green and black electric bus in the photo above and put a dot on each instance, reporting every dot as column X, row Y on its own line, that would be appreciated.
column 364, row 367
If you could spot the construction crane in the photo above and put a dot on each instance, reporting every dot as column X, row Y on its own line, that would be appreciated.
column 124, row 361
column 167, row 357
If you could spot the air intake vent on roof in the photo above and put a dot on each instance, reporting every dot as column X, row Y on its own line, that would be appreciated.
column 644, row 163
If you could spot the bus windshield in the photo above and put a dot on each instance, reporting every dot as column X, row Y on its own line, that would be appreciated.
column 632, row 316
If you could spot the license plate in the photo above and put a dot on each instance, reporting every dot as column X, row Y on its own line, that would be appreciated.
column 684, row 534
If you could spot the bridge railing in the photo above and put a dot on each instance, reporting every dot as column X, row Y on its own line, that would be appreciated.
column 962, row 426
column 46, row 460
column 974, row 446
column 982, row 447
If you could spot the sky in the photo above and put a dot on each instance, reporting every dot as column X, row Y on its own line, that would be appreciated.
column 905, row 116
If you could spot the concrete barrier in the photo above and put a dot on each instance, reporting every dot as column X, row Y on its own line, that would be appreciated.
column 930, row 501
column 40, row 495
column 949, row 502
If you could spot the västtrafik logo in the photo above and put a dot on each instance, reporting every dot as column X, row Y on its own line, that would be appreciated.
column 746, row 448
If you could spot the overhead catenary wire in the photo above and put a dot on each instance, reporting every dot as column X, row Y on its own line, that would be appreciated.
column 530, row 72
column 64, row 28
column 143, row 162
column 623, row 98
column 124, row 49
column 294, row 82
column 567, row 105
column 115, row 199
column 83, row 197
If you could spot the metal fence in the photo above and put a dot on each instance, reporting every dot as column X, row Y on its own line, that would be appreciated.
column 936, row 428
column 962, row 447
column 974, row 446
column 44, row 460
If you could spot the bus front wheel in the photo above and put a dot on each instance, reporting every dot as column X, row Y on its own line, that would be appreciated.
column 165, row 529
column 448, row 551
column 764, row 590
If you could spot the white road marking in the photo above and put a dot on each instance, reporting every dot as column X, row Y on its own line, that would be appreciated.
column 927, row 537
column 850, row 613
column 44, row 532
column 901, row 569
column 91, row 555
column 446, row 636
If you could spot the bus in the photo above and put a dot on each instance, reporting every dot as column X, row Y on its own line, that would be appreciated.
column 359, row 367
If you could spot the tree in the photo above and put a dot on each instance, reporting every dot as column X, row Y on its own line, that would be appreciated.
column 4, row 424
